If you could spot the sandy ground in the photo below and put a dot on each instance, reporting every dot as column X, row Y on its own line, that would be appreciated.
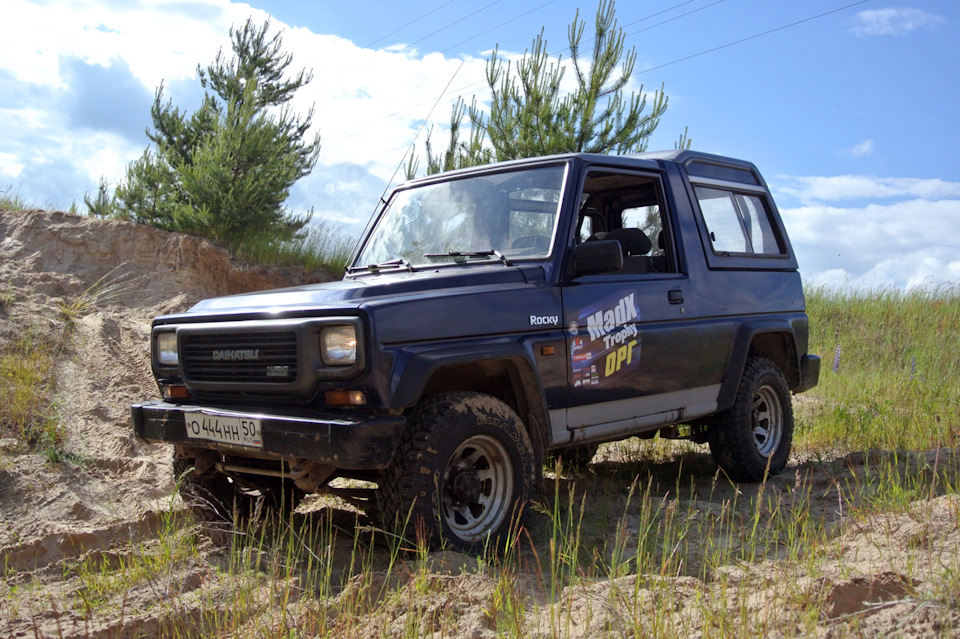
column 872, row 582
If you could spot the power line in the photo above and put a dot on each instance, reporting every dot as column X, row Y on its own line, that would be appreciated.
column 503, row 24
column 650, row 17
column 752, row 37
column 471, row 89
column 666, row 64
column 422, row 125
column 654, row 15
column 454, row 23
column 414, row 21
column 356, row 72
column 682, row 15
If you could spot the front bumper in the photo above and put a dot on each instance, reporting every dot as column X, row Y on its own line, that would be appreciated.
column 364, row 443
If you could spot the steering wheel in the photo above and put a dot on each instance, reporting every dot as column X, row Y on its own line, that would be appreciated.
column 531, row 243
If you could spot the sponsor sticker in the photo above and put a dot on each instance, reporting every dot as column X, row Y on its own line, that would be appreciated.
column 611, row 345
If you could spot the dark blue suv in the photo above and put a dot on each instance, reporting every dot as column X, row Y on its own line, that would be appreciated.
column 490, row 317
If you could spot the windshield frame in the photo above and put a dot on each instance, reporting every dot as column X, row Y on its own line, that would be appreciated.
column 468, row 254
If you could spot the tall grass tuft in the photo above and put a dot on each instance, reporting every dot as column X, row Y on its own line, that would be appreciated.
column 26, row 379
column 11, row 200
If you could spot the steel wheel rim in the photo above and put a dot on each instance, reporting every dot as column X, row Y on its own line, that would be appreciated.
column 477, row 487
column 767, row 420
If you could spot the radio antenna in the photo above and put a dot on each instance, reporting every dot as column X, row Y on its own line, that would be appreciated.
column 419, row 131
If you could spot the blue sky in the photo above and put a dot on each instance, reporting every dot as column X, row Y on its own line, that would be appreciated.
column 848, row 108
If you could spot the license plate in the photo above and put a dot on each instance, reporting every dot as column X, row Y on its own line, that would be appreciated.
column 244, row 431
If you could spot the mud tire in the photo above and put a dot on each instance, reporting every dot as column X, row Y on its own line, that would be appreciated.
column 462, row 474
column 752, row 438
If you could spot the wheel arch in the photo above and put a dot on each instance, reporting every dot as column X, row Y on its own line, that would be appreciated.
column 775, row 340
column 507, row 374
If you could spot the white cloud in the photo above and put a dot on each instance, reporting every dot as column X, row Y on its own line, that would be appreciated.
column 368, row 103
column 914, row 271
column 812, row 189
column 909, row 243
column 26, row 118
column 369, row 108
column 157, row 40
column 10, row 166
column 892, row 21
column 864, row 148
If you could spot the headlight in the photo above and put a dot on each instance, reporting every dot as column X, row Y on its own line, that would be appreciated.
column 338, row 345
column 167, row 349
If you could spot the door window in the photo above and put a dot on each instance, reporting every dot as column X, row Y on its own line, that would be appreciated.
column 628, row 207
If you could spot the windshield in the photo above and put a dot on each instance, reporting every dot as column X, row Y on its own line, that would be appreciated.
column 495, row 216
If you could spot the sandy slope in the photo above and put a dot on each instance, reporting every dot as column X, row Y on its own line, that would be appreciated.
column 129, row 273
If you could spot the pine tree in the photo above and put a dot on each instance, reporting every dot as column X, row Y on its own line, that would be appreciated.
column 225, row 171
column 530, row 115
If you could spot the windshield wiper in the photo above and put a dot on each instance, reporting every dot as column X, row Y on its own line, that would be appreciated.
column 394, row 263
column 492, row 252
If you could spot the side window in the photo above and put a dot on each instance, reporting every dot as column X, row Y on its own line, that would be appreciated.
column 590, row 225
column 722, row 220
column 762, row 237
column 737, row 223
column 629, row 208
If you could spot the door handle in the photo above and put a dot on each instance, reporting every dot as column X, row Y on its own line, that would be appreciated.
column 675, row 296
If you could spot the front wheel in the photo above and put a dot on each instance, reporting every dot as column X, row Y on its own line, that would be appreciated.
column 752, row 438
column 464, row 470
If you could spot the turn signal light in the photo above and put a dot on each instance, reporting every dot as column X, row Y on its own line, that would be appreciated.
column 346, row 398
column 174, row 391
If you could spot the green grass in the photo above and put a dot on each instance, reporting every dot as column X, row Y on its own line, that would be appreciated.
column 889, row 372
column 27, row 412
column 7, row 298
column 323, row 248
column 670, row 567
column 11, row 200
column 110, row 286
column 28, row 366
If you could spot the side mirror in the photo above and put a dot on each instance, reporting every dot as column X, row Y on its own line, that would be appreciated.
column 600, row 256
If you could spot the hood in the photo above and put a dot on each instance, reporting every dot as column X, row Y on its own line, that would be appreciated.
column 354, row 292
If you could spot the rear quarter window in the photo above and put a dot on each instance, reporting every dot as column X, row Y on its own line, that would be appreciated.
column 738, row 223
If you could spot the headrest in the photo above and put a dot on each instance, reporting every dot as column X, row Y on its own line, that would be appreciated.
column 633, row 241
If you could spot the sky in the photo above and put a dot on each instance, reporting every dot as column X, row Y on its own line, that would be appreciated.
column 849, row 108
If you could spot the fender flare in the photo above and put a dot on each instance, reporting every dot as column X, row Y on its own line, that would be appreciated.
column 737, row 361
column 414, row 366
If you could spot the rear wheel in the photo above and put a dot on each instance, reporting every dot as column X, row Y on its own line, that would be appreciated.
column 463, row 472
column 753, row 437
column 576, row 459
